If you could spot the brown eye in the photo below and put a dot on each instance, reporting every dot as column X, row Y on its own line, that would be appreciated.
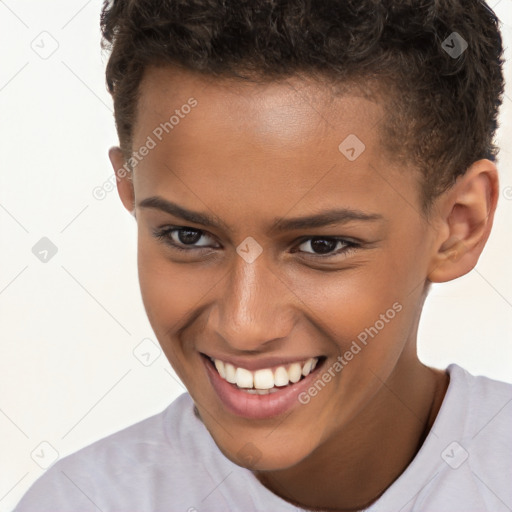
column 188, row 236
column 183, row 237
column 324, row 246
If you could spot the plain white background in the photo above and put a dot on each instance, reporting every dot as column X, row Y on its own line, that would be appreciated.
column 71, row 326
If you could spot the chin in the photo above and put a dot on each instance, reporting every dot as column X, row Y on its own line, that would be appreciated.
column 250, row 457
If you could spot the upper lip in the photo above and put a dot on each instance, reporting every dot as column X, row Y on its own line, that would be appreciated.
column 260, row 363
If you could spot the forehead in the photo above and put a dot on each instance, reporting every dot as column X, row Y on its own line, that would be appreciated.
column 251, row 144
column 292, row 109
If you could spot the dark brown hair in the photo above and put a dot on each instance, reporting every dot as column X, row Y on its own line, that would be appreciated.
column 443, row 102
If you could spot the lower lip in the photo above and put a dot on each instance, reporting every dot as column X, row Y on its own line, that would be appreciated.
column 257, row 406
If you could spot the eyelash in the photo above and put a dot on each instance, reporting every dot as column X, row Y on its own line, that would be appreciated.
column 162, row 234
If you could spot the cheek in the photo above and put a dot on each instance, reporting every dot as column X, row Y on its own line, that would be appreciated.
column 364, row 313
column 347, row 302
column 365, row 317
column 169, row 290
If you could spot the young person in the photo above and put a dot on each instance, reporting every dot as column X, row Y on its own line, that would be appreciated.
column 300, row 173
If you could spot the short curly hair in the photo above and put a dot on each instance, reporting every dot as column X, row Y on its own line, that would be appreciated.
column 443, row 98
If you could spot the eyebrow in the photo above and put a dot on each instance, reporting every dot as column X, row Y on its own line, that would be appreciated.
column 160, row 203
column 325, row 218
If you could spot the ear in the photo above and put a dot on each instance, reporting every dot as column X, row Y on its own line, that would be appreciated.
column 123, row 179
column 465, row 215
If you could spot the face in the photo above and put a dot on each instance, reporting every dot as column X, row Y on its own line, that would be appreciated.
column 281, row 244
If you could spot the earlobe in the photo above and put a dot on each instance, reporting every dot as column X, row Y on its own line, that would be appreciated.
column 123, row 179
column 467, row 212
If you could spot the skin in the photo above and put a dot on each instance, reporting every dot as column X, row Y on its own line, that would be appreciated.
column 248, row 154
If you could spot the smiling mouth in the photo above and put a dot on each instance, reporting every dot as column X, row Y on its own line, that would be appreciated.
column 266, row 380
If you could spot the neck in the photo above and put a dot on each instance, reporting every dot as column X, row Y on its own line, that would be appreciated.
column 353, row 468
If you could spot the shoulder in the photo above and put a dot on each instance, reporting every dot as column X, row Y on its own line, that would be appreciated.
column 487, row 403
column 486, row 425
column 164, row 463
column 476, row 449
column 473, row 444
column 466, row 461
column 115, row 465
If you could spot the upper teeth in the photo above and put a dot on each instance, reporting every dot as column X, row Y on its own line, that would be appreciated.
column 265, row 378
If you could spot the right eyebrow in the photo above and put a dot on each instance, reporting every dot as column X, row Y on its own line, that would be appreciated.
column 171, row 208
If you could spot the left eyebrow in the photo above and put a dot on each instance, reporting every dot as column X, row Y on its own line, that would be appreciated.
column 325, row 218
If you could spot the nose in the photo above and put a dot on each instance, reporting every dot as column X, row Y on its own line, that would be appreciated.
column 253, row 308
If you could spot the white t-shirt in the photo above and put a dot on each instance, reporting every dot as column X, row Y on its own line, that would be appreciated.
column 170, row 463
